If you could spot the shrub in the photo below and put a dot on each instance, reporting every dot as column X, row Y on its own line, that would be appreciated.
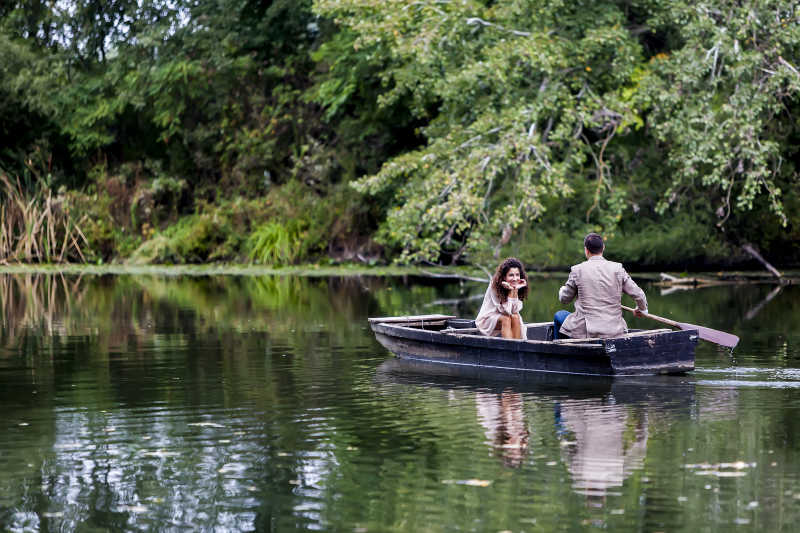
column 274, row 243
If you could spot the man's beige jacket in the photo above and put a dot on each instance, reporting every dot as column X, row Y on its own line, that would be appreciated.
column 598, row 285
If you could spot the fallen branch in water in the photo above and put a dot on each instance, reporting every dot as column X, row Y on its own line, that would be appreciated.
column 670, row 280
column 674, row 280
column 752, row 251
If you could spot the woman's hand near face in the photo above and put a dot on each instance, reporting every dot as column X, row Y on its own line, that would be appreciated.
column 521, row 283
column 506, row 285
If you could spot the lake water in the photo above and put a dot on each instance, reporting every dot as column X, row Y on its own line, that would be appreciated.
column 239, row 403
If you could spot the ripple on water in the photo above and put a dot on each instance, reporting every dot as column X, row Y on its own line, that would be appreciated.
column 733, row 383
column 203, row 425
column 777, row 378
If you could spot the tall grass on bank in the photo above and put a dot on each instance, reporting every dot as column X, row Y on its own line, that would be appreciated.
column 273, row 244
column 37, row 227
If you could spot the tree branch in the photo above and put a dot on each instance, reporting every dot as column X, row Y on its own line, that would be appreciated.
column 475, row 20
column 598, row 160
column 747, row 247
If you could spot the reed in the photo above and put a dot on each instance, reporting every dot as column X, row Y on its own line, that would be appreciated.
column 36, row 227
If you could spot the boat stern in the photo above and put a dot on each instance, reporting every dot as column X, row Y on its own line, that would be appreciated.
column 655, row 352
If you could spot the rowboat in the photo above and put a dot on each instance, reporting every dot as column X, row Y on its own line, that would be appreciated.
column 451, row 340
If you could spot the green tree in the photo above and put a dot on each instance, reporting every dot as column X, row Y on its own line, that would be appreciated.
column 722, row 101
column 536, row 104
column 212, row 89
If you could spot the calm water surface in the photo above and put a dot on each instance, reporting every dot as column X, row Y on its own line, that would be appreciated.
column 264, row 403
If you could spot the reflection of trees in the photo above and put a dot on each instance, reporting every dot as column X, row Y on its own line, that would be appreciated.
column 48, row 304
column 601, row 444
column 124, row 325
column 243, row 402
column 138, row 359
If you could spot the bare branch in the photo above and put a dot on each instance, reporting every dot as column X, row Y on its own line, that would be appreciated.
column 747, row 247
column 788, row 65
column 475, row 20
column 600, row 164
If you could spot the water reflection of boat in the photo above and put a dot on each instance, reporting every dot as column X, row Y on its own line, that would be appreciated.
column 667, row 391
column 601, row 443
column 602, row 423
column 446, row 339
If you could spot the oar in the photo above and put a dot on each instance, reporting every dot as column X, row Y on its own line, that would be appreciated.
column 707, row 334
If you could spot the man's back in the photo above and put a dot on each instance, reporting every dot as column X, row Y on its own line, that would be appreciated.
column 598, row 285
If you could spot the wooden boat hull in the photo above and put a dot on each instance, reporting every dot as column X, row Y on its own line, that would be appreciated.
column 641, row 353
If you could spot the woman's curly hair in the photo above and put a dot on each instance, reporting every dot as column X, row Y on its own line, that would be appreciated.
column 500, row 276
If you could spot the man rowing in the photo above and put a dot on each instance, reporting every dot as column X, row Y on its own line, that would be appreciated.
column 598, row 285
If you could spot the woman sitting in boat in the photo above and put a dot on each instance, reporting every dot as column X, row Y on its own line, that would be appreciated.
column 499, row 314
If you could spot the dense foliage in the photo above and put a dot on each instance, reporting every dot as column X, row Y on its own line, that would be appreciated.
column 416, row 131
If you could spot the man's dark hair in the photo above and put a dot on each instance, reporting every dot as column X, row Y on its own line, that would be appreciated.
column 594, row 243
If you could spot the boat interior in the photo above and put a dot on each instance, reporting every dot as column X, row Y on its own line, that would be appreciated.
column 536, row 331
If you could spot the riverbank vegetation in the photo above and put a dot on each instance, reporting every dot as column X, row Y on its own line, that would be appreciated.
column 292, row 131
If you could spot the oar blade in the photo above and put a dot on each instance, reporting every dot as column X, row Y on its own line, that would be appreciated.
column 716, row 336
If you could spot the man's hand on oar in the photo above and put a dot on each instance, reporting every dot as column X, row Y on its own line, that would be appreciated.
column 716, row 336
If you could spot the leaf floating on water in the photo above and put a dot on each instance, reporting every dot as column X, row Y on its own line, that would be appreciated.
column 752, row 505
column 718, row 470
column 159, row 453
column 232, row 467
column 470, row 482
column 739, row 465
column 68, row 446
column 718, row 473
column 730, row 474
column 53, row 515
column 704, row 466
column 683, row 499
column 206, row 424
column 134, row 508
